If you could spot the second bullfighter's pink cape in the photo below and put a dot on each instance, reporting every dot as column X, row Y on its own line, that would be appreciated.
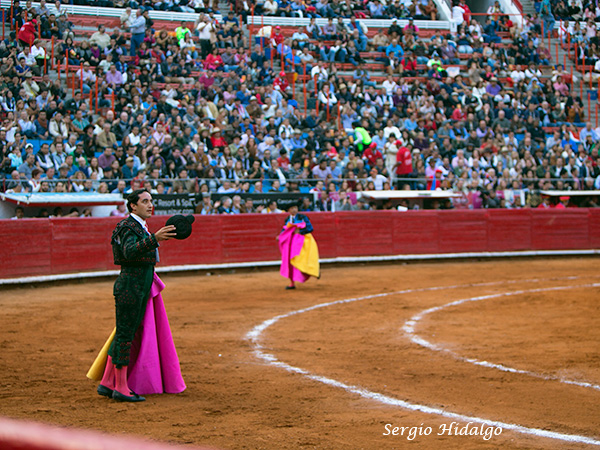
column 299, row 254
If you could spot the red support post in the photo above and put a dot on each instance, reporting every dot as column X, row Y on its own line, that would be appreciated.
column 339, row 117
column 52, row 55
column 304, row 88
column 11, row 14
column 96, row 103
column 112, row 100
column 572, row 82
column 589, row 116
column 58, row 68
column 294, row 85
column 45, row 63
column 67, row 64
column 81, row 78
column 272, row 50
column 576, row 54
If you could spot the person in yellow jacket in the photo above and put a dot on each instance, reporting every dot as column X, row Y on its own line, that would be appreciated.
column 181, row 31
column 362, row 138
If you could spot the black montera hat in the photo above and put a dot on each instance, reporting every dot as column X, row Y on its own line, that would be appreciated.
column 183, row 225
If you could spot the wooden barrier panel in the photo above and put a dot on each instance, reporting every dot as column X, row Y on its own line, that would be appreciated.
column 593, row 227
column 53, row 246
column 555, row 229
column 509, row 230
column 416, row 232
column 25, row 247
column 459, row 232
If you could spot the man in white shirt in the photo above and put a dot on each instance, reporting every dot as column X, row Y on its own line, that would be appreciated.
column 391, row 129
column 319, row 71
column 389, row 85
column 322, row 171
column 301, row 36
column 377, row 179
column 127, row 18
column 100, row 37
column 206, row 33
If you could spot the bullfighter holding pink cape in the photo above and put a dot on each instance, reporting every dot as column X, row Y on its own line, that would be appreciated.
column 139, row 357
column 299, row 251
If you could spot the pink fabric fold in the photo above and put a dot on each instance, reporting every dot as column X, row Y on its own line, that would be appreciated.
column 290, row 245
column 154, row 364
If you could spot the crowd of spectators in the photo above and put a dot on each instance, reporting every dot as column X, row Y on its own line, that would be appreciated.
column 194, row 112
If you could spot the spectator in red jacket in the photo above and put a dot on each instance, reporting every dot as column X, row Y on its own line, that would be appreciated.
column 403, row 165
column 371, row 154
column 276, row 36
column 28, row 32
column 213, row 61
column 281, row 82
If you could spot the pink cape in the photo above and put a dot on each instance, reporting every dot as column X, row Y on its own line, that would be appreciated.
column 290, row 245
column 154, row 365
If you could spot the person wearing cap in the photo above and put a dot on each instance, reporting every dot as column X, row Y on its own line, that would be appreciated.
column 133, row 361
column 276, row 37
column 299, row 251
column 563, row 202
column 281, row 83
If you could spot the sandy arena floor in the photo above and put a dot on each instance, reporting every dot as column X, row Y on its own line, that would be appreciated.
column 235, row 400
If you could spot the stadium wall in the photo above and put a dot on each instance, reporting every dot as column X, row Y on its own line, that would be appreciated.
column 70, row 245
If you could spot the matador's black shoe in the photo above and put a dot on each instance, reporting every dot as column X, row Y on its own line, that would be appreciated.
column 104, row 391
column 116, row 395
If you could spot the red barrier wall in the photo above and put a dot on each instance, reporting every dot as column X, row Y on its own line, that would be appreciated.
column 53, row 246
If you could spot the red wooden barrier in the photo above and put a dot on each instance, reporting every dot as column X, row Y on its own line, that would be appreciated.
column 53, row 246
column 509, row 230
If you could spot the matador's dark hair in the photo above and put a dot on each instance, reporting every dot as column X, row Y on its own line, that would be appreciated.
column 134, row 197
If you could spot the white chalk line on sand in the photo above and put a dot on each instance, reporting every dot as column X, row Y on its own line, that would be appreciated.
column 255, row 334
column 409, row 328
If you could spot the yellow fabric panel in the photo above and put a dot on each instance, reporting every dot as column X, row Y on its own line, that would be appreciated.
column 308, row 260
column 97, row 370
